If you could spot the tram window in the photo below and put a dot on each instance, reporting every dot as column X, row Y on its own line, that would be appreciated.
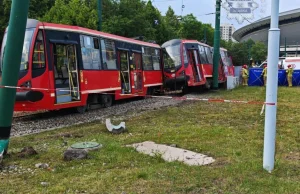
column 38, row 60
column 90, row 53
column 147, row 59
column 209, row 56
column 156, row 59
column 202, row 55
column 108, row 54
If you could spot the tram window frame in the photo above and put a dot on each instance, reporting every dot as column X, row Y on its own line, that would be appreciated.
column 203, row 58
column 156, row 55
column 104, row 53
column 41, row 62
column 148, row 54
column 90, row 45
column 208, row 52
column 152, row 54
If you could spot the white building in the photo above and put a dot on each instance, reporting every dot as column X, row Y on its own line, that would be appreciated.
column 226, row 31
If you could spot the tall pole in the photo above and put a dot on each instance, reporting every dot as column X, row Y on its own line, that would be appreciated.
column 99, row 15
column 11, row 67
column 216, row 46
column 272, row 87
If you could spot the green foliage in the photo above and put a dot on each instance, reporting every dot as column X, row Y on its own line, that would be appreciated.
column 37, row 8
column 241, row 52
column 129, row 18
column 259, row 51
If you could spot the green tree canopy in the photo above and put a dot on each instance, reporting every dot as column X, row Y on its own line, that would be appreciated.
column 259, row 52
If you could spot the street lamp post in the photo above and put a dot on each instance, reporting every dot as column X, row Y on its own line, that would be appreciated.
column 272, row 87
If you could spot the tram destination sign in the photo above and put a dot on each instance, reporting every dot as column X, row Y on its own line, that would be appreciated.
column 240, row 9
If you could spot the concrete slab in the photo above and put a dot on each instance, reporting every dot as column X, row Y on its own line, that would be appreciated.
column 171, row 154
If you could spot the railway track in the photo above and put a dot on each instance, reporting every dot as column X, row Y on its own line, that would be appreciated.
column 35, row 123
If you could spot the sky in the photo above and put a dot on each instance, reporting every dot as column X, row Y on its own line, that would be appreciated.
column 201, row 7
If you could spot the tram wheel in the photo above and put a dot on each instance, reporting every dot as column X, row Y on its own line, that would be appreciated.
column 107, row 100
column 81, row 109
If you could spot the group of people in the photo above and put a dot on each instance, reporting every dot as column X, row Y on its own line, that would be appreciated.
column 245, row 75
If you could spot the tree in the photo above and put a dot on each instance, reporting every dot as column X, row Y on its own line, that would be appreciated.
column 37, row 9
column 73, row 12
column 191, row 28
column 259, row 51
column 172, row 24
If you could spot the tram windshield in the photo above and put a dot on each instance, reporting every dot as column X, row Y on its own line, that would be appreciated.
column 171, row 56
column 25, row 50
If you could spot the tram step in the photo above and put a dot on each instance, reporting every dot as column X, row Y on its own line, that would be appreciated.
column 62, row 91
column 64, row 98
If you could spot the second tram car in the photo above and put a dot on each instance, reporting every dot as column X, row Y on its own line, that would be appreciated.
column 72, row 67
column 189, row 63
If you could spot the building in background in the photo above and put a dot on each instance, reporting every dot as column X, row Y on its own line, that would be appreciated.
column 226, row 31
column 289, row 24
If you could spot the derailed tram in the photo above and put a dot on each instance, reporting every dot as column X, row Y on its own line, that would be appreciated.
column 66, row 66
column 189, row 63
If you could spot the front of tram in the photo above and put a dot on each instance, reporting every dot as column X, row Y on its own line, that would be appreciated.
column 24, row 79
column 174, row 74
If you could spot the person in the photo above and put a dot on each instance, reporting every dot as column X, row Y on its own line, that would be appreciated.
column 289, row 73
column 264, row 73
column 245, row 75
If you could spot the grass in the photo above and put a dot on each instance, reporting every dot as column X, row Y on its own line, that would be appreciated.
column 231, row 133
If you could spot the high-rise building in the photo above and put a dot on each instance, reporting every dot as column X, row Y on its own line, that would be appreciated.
column 226, row 31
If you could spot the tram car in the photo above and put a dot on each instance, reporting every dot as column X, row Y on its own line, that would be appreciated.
column 227, row 61
column 67, row 66
column 189, row 63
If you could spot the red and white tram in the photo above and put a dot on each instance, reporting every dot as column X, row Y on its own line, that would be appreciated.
column 189, row 63
column 72, row 67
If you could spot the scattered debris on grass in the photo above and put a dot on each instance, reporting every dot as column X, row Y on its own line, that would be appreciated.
column 117, row 129
column 75, row 154
column 27, row 151
column 171, row 153
column 42, row 165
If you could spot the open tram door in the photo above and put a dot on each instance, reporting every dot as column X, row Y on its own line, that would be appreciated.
column 136, row 72
column 65, row 64
column 123, row 56
column 194, row 60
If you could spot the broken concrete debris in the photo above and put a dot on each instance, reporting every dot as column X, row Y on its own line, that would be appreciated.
column 75, row 154
column 116, row 129
column 171, row 154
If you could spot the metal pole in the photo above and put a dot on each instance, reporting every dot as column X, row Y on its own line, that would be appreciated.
column 216, row 46
column 99, row 15
column 272, row 87
column 11, row 67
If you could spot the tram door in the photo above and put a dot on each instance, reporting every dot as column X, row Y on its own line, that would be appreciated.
column 137, row 72
column 65, row 73
column 124, row 72
column 196, row 65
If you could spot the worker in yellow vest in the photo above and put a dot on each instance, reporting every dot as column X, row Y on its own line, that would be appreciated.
column 245, row 75
column 264, row 73
column 289, row 73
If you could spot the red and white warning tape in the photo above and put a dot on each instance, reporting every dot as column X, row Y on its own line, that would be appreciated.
column 152, row 96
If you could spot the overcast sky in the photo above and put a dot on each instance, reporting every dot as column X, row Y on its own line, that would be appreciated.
column 201, row 7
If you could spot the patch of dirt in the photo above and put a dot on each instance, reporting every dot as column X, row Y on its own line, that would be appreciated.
column 27, row 151
column 293, row 156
